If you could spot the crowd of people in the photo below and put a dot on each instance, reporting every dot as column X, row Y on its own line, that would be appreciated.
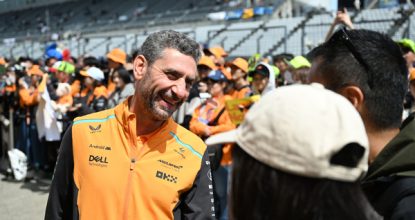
column 46, row 95
column 288, row 136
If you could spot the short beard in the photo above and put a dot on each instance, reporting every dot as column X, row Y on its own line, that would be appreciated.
column 155, row 111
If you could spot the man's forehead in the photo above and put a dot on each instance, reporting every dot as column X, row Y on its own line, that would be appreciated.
column 174, row 60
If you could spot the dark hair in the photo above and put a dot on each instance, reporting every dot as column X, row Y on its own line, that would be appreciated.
column 283, row 56
column 134, row 54
column 124, row 75
column 155, row 43
column 262, row 192
column 91, row 61
column 383, row 83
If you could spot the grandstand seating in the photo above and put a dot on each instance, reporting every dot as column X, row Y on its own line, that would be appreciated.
column 106, row 24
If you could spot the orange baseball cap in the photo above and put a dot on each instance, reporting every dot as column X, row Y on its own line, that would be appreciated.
column 241, row 63
column 117, row 55
column 218, row 51
column 206, row 61
column 35, row 70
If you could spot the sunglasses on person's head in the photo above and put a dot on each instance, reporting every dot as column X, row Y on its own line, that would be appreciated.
column 343, row 36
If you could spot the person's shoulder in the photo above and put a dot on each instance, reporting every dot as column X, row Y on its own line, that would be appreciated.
column 399, row 198
column 101, row 116
column 187, row 137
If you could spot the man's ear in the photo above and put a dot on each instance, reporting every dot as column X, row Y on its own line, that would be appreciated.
column 355, row 95
column 140, row 67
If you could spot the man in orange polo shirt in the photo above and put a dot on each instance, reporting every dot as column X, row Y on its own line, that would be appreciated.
column 134, row 161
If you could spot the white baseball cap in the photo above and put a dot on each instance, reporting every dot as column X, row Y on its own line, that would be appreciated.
column 304, row 130
column 94, row 73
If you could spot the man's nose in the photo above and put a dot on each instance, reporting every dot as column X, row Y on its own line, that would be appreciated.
column 180, row 90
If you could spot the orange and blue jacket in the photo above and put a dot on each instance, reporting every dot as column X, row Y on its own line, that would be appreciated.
column 106, row 171
column 207, row 112
column 241, row 93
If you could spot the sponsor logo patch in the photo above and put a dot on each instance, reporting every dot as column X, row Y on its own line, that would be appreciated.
column 99, row 161
column 181, row 152
column 166, row 177
column 99, row 147
column 93, row 129
column 169, row 165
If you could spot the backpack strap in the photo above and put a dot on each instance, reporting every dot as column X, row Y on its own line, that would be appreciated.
column 214, row 122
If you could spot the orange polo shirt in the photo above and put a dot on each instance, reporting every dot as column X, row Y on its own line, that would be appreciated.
column 119, row 175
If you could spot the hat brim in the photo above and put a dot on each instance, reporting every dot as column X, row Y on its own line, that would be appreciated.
column 239, row 66
column 222, row 138
column 83, row 73
column 116, row 59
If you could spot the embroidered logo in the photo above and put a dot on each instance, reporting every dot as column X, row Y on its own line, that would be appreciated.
column 96, row 129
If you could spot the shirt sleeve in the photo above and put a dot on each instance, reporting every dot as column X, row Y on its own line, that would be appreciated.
column 63, row 192
column 198, row 202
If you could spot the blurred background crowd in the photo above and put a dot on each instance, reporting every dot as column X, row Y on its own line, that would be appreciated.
column 64, row 59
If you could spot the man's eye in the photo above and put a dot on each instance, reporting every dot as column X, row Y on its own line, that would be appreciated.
column 171, row 76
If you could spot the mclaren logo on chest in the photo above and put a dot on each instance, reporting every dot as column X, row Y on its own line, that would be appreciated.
column 170, row 165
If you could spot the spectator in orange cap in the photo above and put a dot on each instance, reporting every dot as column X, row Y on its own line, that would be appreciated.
column 239, row 70
column 218, row 55
column 28, row 100
column 198, row 93
column 117, row 58
column 28, row 91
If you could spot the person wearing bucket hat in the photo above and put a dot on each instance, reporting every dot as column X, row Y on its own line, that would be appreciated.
column 117, row 58
column 29, row 92
column 239, row 71
column 368, row 69
column 263, row 79
column 218, row 55
column 290, row 175
column 300, row 67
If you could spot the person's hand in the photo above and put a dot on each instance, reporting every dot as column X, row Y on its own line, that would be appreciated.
column 75, row 107
column 206, row 131
column 342, row 17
